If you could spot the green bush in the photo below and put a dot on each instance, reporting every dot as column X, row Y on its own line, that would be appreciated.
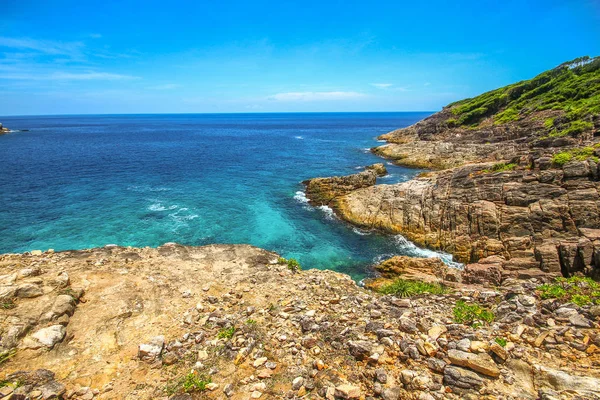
column 501, row 167
column 294, row 265
column 561, row 158
column 579, row 290
column 407, row 288
column 471, row 314
column 192, row 382
column 226, row 333
column 501, row 341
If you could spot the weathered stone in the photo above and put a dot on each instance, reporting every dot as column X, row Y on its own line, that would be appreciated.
column 481, row 362
column 49, row 336
column 347, row 392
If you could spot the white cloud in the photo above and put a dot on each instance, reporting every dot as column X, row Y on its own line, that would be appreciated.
column 315, row 96
column 382, row 85
column 67, row 76
column 166, row 86
column 71, row 49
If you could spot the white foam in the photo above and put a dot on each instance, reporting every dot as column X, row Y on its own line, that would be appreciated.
column 329, row 214
column 299, row 137
column 360, row 232
column 382, row 141
column 409, row 248
column 161, row 207
column 301, row 197
column 366, row 150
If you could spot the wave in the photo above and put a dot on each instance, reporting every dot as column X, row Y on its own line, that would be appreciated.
column 146, row 188
column 411, row 249
column 160, row 207
column 382, row 141
column 329, row 214
column 301, row 197
column 360, row 232
column 299, row 137
column 366, row 150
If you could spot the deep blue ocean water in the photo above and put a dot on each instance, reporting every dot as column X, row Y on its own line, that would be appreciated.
column 74, row 182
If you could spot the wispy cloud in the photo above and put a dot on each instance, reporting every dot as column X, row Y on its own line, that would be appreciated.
column 382, row 85
column 166, row 86
column 50, row 47
column 67, row 76
column 315, row 96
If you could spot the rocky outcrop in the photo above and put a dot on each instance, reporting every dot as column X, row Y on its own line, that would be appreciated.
column 3, row 129
column 414, row 269
column 229, row 321
column 325, row 191
column 535, row 220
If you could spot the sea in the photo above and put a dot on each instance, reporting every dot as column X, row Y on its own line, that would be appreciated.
column 77, row 182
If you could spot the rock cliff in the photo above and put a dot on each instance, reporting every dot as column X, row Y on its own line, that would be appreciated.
column 518, row 190
column 233, row 321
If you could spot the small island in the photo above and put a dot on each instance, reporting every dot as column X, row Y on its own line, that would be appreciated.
column 3, row 129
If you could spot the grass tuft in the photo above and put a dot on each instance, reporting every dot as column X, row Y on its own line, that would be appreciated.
column 471, row 314
column 407, row 288
column 578, row 290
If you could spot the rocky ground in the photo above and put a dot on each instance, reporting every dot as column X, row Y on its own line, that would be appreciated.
column 227, row 321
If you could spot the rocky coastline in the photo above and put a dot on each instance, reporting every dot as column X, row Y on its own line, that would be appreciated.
column 237, row 322
column 511, row 199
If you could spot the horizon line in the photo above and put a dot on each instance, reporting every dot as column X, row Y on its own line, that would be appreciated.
column 217, row 113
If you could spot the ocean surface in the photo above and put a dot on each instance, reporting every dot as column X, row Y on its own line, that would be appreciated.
column 75, row 182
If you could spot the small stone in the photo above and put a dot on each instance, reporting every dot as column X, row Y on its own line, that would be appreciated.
column 259, row 361
column 580, row 321
column 436, row 331
column 202, row 355
column 36, row 252
column 297, row 383
column 152, row 350
column 256, row 394
column 228, row 390
column 499, row 351
column 29, row 290
column 271, row 364
column 50, row 336
column 481, row 362
column 347, row 392
column 212, row 386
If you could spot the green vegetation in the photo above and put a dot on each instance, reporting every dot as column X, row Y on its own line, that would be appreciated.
column 501, row 341
column 226, row 333
column 572, row 87
column 292, row 264
column 6, row 355
column 192, row 382
column 578, row 290
column 471, row 314
column 501, row 167
column 8, row 304
column 250, row 322
column 406, row 288
column 580, row 154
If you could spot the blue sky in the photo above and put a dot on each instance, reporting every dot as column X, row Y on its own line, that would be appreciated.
column 74, row 57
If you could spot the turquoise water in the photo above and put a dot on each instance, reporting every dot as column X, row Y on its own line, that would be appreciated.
column 74, row 182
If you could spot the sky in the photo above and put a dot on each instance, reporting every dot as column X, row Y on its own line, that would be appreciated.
column 108, row 57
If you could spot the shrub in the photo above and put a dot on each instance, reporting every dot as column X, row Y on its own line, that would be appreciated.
column 549, row 123
column 577, row 127
column 192, row 382
column 471, row 314
column 294, row 265
column 501, row 167
column 226, row 333
column 508, row 115
column 8, row 304
column 561, row 158
column 581, row 291
column 406, row 288
column 500, row 341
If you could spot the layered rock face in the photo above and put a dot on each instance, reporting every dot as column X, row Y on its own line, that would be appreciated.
column 325, row 191
column 517, row 191
column 230, row 321
column 526, row 222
